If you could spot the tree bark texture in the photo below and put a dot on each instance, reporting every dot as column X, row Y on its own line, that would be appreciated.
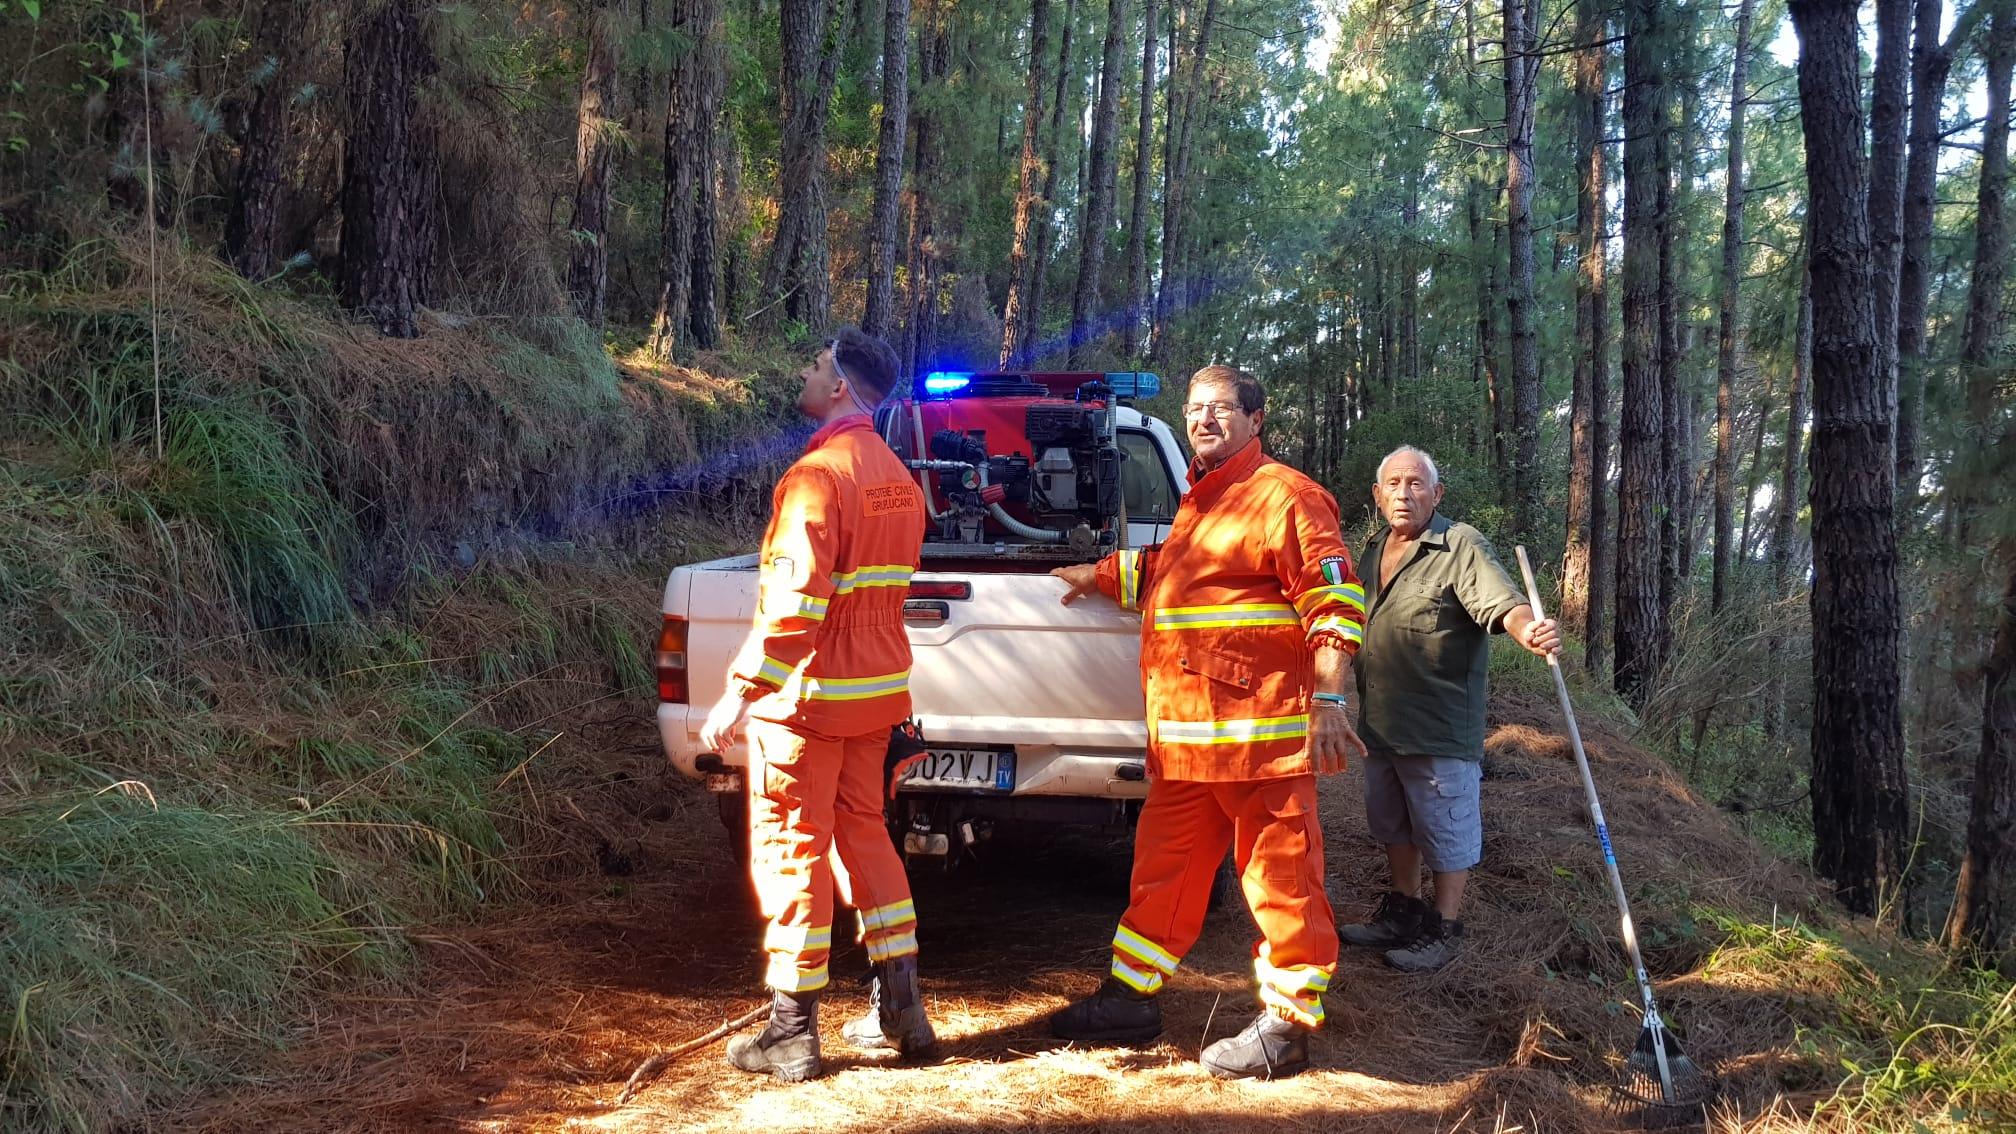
column 1859, row 791
column 1583, row 571
column 1641, row 630
column 1726, row 340
column 1676, row 434
column 391, row 171
column 1981, row 918
column 934, row 52
column 1137, row 224
column 795, row 282
column 588, row 230
column 879, row 315
column 1888, row 111
column 1522, row 68
column 1785, row 535
column 1061, row 114
column 676, row 215
column 1978, row 339
column 1022, row 255
column 1087, row 319
column 252, row 232
column 1180, row 139
column 708, row 128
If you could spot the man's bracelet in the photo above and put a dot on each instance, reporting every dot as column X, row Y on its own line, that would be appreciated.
column 1331, row 700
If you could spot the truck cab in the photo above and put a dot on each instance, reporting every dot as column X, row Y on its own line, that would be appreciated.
column 1032, row 710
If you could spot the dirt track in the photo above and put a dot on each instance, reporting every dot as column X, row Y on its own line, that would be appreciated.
column 535, row 1021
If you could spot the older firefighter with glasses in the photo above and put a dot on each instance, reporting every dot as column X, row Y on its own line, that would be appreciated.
column 1250, row 615
column 818, row 685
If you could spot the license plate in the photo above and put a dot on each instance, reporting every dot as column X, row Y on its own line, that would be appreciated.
column 980, row 769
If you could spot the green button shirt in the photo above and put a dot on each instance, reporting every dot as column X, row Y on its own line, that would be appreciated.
column 1427, row 642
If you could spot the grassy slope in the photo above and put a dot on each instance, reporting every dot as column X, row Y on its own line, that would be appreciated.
column 292, row 682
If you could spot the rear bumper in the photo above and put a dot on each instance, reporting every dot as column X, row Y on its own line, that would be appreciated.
column 1077, row 759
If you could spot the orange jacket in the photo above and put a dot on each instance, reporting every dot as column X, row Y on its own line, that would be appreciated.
column 1253, row 569
column 828, row 653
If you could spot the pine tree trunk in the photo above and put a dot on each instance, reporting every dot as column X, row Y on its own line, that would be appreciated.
column 1521, row 68
column 1674, row 437
column 1641, row 631
column 1985, row 292
column 252, row 233
column 1021, row 259
column 1981, row 918
column 1785, row 534
column 703, row 311
column 1137, row 224
column 1087, row 322
column 1931, row 63
column 1745, row 544
column 734, row 213
column 1859, row 791
column 879, row 315
column 795, row 281
column 1583, row 564
column 1888, row 110
column 1180, row 144
column 588, row 231
column 1732, row 277
column 675, row 232
column 1061, row 113
column 390, row 167
column 920, row 332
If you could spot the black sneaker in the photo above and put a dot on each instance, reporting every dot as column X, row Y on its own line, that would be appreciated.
column 1437, row 944
column 1397, row 921
column 788, row 1047
column 1114, row 1014
column 1271, row 1047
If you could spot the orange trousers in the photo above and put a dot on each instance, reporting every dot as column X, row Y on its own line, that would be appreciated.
column 815, row 820
column 1276, row 843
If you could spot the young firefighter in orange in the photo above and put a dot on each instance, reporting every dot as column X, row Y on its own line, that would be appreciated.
column 818, row 684
column 1250, row 615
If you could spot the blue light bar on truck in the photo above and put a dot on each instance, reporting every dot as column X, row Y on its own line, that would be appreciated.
column 1133, row 383
column 946, row 381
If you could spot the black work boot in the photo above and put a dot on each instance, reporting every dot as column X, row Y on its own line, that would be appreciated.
column 1114, row 1014
column 789, row 1047
column 1397, row 921
column 895, row 1019
column 1436, row 945
column 1271, row 1047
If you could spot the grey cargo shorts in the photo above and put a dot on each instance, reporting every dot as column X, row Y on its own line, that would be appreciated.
column 1429, row 802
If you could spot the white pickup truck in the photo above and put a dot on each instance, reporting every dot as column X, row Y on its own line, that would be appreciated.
column 1032, row 709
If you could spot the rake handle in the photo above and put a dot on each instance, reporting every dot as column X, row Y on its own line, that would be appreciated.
column 1630, row 930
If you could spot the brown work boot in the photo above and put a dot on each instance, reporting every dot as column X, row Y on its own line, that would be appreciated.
column 1436, row 945
column 1396, row 922
column 788, row 1047
column 1271, row 1047
column 895, row 1019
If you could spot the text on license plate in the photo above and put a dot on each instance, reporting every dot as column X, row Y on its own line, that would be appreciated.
column 980, row 768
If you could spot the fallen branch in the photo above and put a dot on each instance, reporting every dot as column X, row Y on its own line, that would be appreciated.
column 650, row 1068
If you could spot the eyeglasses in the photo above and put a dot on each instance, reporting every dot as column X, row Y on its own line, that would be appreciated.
column 1223, row 411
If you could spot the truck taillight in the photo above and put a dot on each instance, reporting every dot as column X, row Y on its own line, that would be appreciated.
column 941, row 589
column 672, row 660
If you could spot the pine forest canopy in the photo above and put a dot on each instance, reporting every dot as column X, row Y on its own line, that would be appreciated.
column 1705, row 303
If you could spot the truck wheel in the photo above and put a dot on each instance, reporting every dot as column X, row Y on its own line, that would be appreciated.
column 734, row 807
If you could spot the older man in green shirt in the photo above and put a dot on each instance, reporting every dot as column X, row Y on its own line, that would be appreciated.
column 1435, row 594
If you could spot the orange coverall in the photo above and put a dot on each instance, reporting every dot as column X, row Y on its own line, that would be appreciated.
column 827, row 668
column 1253, row 571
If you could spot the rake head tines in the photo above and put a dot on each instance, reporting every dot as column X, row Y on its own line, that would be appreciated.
column 1680, row 1098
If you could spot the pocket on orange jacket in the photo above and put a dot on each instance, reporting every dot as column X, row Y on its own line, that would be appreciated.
column 1225, row 668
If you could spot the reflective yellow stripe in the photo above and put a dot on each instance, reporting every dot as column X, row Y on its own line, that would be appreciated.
column 1347, row 628
column 893, row 914
column 1307, row 1012
column 1130, row 580
column 876, row 575
column 1350, row 594
column 1296, row 982
column 797, row 938
column 809, row 607
column 1141, row 949
column 1232, row 732
column 856, row 688
column 773, row 671
column 897, row 945
column 783, row 975
column 1236, row 614
column 1148, row 982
